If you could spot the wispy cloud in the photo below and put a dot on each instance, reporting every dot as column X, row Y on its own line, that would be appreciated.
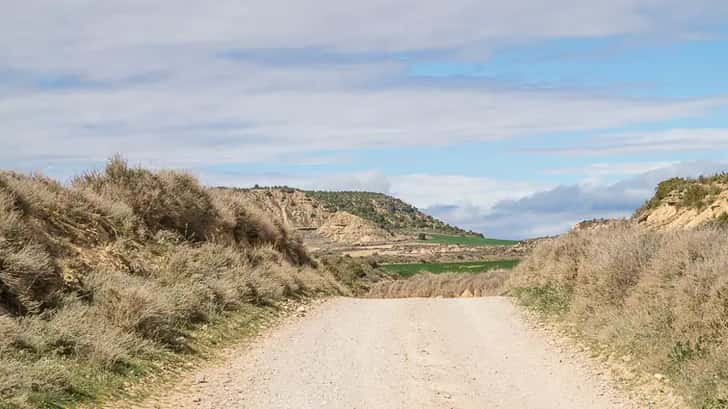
column 224, row 87
column 553, row 211
column 670, row 140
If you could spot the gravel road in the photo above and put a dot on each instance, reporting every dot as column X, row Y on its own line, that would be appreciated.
column 405, row 353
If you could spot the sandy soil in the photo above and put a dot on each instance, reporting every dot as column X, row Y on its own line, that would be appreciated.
column 408, row 353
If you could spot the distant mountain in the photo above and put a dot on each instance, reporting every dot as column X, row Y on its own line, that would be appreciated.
column 386, row 211
column 346, row 217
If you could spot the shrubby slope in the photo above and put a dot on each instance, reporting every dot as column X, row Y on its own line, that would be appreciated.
column 661, row 297
column 101, row 277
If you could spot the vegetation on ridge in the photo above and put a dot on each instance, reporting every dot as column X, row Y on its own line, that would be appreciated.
column 686, row 192
column 387, row 212
column 410, row 269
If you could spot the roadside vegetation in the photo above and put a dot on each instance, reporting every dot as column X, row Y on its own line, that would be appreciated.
column 468, row 240
column 443, row 285
column 660, row 297
column 107, row 279
column 410, row 269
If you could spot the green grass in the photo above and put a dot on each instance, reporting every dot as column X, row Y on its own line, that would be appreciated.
column 468, row 240
column 410, row 269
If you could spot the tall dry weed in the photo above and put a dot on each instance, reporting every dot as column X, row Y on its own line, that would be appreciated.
column 661, row 296
column 442, row 285
column 121, row 265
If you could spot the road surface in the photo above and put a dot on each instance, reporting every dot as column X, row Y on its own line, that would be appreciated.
column 349, row 353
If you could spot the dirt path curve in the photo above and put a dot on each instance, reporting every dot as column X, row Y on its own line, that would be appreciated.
column 408, row 354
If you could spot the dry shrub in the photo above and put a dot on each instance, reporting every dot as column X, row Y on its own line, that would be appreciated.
column 79, row 331
column 164, row 201
column 30, row 384
column 126, row 223
column 273, row 277
column 661, row 296
column 52, row 212
column 11, row 226
column 211, row 278
column 355, row 273
column 8, row 333
column 136, row 305
column 41, row 223
column 442, row 285
column 250, row 226
column 29, row 280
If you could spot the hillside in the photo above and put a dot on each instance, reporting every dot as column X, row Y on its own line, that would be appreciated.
column 652, row 290
column 386, row 211
column 345, row 217
column 108, row 278
column 681, row 203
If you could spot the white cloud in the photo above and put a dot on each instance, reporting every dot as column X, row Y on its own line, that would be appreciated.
column 34, row 33
column 421, row 190
column 153, row 80
column 669, row 140
column 609, row 169
column 425, row 190
column 555, row 210
column 219, row 123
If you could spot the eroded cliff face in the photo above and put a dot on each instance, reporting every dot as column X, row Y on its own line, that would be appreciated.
column 670, row 215
column 300, row 211
column 343, row 227
column 686, row 204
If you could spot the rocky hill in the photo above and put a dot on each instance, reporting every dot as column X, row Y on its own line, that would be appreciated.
column 387, row 212
column 345, row 217
column 681, row 203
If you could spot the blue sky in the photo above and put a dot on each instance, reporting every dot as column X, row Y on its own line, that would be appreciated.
column 516, row 119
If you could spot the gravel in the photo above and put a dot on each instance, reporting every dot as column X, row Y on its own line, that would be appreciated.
column 398, row 353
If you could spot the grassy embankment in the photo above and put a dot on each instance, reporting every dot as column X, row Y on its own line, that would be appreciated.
column 659, row 298
column 478, row 278
column 113, row 277
column 410, row 269
column 468, row 240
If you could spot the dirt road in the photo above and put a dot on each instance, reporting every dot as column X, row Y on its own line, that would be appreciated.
column 408, row 354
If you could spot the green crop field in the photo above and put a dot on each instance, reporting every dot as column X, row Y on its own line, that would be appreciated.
column 410, row 269
column 468, row 240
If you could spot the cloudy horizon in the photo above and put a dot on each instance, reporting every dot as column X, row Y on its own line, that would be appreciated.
column 515, row 120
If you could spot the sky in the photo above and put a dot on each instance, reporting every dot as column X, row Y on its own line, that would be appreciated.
column 515, row 119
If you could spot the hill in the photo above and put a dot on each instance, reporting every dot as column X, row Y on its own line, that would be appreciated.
column 345, row 217
column 387, row 212
column 681, row 203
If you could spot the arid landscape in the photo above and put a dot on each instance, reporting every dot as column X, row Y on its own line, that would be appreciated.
column 113, row 285
column 384, row 204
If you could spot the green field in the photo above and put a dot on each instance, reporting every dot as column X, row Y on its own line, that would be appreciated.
column 468, row 240
column 410, row 269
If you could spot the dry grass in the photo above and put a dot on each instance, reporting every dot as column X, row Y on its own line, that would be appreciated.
column 356, row 274
column 442, row 285
column 662, row 297
column 113, row 272
column 165, row 200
